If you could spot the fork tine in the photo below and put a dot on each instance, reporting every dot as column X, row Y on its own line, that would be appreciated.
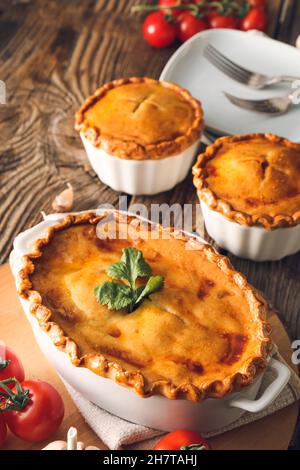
column 241, row 103
column 255, row 104
column 227, row 69
column 227, row 66
column 213, row 51
column 250, row 104
column 262, row 106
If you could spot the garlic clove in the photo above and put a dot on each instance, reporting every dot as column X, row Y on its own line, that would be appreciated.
column 64, row 201
column 56, row 445
column 72, row 439
column 80, row 445
column 71, row 444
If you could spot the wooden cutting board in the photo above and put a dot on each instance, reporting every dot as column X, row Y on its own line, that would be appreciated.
column 273, row 432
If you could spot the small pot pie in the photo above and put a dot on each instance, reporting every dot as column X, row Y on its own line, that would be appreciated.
column 249, row 188
column 204, row 334
column 134, row 126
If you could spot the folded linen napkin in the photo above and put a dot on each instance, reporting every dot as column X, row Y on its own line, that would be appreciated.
column 118, row 433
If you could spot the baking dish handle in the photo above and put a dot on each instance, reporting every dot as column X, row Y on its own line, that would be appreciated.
column 283, row 374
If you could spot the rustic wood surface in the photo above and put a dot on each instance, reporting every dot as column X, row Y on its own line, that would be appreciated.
column 52, row 55
column 15, row 331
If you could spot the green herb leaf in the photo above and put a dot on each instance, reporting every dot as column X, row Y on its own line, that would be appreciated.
column 118, row 295
column 136, row 264
column 131, row 266
column 113, row 294
column 154, row 284
column 118, row 271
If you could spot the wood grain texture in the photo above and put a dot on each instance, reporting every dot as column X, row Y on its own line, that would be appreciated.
column 52, row 55
column 16, row 331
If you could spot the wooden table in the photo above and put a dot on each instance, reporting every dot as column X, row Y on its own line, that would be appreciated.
column 52, row 55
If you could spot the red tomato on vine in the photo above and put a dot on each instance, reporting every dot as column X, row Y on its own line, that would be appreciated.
column 255, row 19
column 33, row 411
column 10, row 365
column 3, row 431
column 221, row 21
column 189, row 25
column 159, row 32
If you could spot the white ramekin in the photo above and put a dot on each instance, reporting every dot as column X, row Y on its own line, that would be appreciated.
column 157, row 411
column 255, row 243
column 140, row 177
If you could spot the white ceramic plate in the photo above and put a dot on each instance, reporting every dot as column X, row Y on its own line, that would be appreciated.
column 190, row 69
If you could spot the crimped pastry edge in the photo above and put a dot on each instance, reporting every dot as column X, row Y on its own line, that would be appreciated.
column 135, row 380
column 215, row 203
column 133, row 150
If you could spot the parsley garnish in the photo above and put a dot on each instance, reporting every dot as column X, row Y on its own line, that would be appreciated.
column 118, row 295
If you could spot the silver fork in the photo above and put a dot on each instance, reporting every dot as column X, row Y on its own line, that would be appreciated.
column 276, row 105
column 240, row 74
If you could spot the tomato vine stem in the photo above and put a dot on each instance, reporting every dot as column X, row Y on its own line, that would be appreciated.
column 10, row 400
column 225, row 7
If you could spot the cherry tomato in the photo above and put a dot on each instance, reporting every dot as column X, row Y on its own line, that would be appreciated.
column 182, row 440
column 262, row 4
column 189, row 25
column 10, row 365
column 221, row 21
column 255, row 19
column 157, row 31
column 170, row 3
column 3, row 431
column 41, row 416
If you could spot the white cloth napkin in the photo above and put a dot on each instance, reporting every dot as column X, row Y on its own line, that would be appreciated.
column 117, row 433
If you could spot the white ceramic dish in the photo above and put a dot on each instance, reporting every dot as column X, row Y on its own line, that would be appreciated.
column 157, row 412
column 189, row 68
column 255, row 243
column 143, row 177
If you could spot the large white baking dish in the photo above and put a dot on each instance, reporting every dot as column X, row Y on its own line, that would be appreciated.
column 157, row 412
column 140, row 176
column 255, row 243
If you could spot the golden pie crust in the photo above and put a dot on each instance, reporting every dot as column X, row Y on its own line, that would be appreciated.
column 252, row 179
column 141, row 118
column 204, row 334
